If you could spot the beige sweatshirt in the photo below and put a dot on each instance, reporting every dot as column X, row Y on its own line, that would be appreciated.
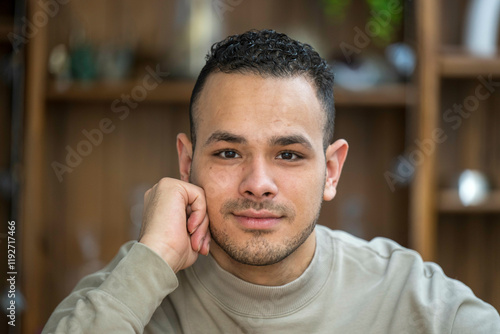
column 351, row 286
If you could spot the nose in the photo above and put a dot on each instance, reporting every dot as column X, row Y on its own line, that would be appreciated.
column 258, row 181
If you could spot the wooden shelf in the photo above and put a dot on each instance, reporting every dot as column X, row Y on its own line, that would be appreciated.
column 394, row 95
column 456, row 63
column 449, row 202
column 168, row 91
column 180, row 92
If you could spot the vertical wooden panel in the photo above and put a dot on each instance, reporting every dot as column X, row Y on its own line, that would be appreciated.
column 85, row 201
column 365, row 205
column 448, row 230
column 32, row 211
column 474, row 255
column 492, row 139
column 494, row 264
column 423, row 218
column 56, row 210
column 467, row 241
column 90, row 211
column 453, row 19
column 468, row 251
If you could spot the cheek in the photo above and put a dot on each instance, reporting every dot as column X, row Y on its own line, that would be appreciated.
column 304, row 190
column 218, row 185
column 217, row 181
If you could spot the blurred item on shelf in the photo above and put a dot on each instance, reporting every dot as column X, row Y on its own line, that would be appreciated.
column 364, row 72
column 114, row 62
column 383, row 23
column 403, row 58
column 198, row 27
column 481, row 28
column 473, row 187
column 82, row 57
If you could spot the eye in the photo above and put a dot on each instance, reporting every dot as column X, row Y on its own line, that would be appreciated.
column 288, row 156
column 228, row 154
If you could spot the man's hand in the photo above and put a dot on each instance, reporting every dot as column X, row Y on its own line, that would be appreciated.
column 175, row 222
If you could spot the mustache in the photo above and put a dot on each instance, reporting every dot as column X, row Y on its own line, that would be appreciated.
column 235, row 205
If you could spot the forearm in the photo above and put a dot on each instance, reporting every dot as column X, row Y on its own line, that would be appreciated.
column 120, row 298
column 98, row 312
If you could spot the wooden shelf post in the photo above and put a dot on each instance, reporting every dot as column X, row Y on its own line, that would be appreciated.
column 32, row 214
column 422, row 201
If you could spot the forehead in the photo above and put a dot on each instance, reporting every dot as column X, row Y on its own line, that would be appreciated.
column 259, row 107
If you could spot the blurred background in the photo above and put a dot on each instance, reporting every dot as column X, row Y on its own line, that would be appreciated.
column 93, row 93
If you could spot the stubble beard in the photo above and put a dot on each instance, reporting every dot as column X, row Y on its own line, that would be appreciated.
column 258, row 250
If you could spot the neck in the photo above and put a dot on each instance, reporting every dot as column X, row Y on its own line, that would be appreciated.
column 276, row 274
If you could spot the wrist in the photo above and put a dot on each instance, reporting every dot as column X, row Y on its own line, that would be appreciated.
column 168, row 255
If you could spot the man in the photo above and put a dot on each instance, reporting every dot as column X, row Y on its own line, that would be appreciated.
column 253, row 176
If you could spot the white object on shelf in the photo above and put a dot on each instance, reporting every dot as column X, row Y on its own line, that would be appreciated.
column 481, row 27
column 473, row 187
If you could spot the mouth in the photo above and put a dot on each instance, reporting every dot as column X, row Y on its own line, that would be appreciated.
column 257, row 220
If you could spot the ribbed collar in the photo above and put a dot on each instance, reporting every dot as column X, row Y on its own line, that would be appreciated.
column 252, row 300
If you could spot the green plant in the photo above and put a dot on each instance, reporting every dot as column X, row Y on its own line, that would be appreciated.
column 391, row 10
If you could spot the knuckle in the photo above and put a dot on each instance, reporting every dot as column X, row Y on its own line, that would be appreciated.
column 200, row 191
column 164, row 181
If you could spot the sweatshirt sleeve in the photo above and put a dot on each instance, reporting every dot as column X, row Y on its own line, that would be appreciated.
column 121, row 298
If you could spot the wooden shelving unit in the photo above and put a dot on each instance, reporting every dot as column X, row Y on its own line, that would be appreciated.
column 442, row 228
column 449, row 202
column 394, row 95
column 179, row 91
column 167, row 92
column 460, row 64
column 95, row 198
column 422, row 197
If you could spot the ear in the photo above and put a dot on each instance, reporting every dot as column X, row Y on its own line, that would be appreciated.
column 185, row 154
column 335, row 156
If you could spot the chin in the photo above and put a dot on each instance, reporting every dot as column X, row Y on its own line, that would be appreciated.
column 259, row 247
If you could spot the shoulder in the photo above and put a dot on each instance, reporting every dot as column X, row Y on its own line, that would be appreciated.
column 375, row 255
column 381, row 258
column 430, row 299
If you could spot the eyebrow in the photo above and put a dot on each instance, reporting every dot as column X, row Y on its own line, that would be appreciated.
column 290, row 140
column 225, row 136
column 273, row 141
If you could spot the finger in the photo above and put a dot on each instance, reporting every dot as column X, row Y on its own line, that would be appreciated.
column 197, row 238
column 205, row 249
column 196, row 199
column 198, row 207
column 194, row 221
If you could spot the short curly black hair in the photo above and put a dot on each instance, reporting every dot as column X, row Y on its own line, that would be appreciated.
column 269, row 54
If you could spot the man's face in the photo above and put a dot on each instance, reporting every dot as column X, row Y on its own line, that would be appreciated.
column 259, row 157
